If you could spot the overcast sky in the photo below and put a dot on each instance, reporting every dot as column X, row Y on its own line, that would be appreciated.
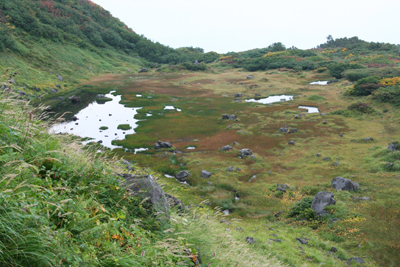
column 232, row 25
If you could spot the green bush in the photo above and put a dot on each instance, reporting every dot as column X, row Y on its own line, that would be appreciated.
column 336, row 69
column 316, row 98
column 302, row 209
column 365, row 86
column 361, row 107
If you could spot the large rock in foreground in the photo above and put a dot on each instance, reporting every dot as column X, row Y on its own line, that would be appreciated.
column 340, row 183
column 245, row 152
column 161, row 144
column 321, row 200
column 146, row 187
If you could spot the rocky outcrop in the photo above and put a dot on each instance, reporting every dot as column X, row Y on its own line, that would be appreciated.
column 340, row 183
column 321, row 200
column 145, row 187
column 161, row 144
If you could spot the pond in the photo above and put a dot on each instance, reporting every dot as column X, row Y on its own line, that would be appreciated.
column 320, row 82
column 171, row 108
column 95, row 115
column 271, row 99
column 310, row 109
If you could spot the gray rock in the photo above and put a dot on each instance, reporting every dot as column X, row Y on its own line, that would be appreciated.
column 100, row 96
column 252, row 178
column 59, row 77
column 250, row 77
column 238, row 169
column 238, row 95
column 368, row 139
column 12, row 81
column 323, row 114
column 53, row 91
column 239, row 229
column 318, row 155
column 58, row 86
column 333, row 250
column 129, row 165
column 356, row 260
column 229, row 117
column 326, row 159
column 282, row 187
column 365, row 198
column 181, row 176
column 336, row 164
column 297, row 116
column 291, row 142
column 245, row 152
column 128, row 70
column 21, row 93
column 143, row 70
column 226, row 148
column 321, row 200
column 283, row 130
column 205, row 174
column 393, row 146
column 230, row 169
column 302, row 241
column 250, row 240
column 340, row 183
column 293, row 130
column 174, row 202
column 75, row 99
column 161, row 144
column 146, row 187
column 74, row 118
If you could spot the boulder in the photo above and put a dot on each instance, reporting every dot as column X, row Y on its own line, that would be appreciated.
column 238, row 95
column 145, row 187
column 161, row 144
column 245, row 152
column 283, row 130
column 229, row 117
column 59, row 77
column 291, row 142
column 302, row 241
column 249, row 77
column 205, row 174
column 318, row 155
column 321, row 200
column 226, row 148
column 230, row 169
column 181, row 176
column 340, row 183
column 143, row 70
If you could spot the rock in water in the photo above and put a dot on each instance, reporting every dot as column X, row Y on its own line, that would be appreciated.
column 321, row 200
column 146, row 187
column 161, row 144
column 340, row 183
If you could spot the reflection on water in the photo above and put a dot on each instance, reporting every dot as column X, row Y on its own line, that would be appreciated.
column 94, row 116
column 271, row 99
column 310, row 109
column 320, row 82
column 171, row 108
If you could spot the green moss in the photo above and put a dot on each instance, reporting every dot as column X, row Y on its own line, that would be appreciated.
column 124, row 127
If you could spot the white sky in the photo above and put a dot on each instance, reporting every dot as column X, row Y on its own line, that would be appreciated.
column 232, row 25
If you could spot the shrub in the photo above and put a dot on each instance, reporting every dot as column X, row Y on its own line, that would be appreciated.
column 302, row 209
column 361, row 107
column 336, row 69
column 316, row 98
column 365, row 86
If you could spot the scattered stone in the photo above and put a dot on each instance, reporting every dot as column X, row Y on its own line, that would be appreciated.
column 291, row 142
column 365, row 198
column 74, row 118
column 53, row 91
column 302, row 241
column 21, row 93
column 324, row 122
column 336, row 164
column 128, row 70
column 205, row 174
column 250, row 240
column 278, row 213
column 129, row 165
column 75, row 99
column 293, row 130
column 393, row 146
column 245, row 152
column 229, row 117
column 282, row 187
column 226, row 148
column 321, row 200
column 100, row 141
column 356, row 260
column 318, row 155
column 276, row 240
column 238, row 95
column 368, row 139
column 174, row 202
column 12, row 81
column 239, row 229
column 143, row 70
column 283, row 130
column 230, row 169
column 341, row 135
column 252, row 177
column 326, row 159
column 59, row 77
column 238, row 169
column 224, row 221
column 297, row 116
column 181, row 176
column 161, row 144
column 340, row 183
column 250, row 77
column 333, row 250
